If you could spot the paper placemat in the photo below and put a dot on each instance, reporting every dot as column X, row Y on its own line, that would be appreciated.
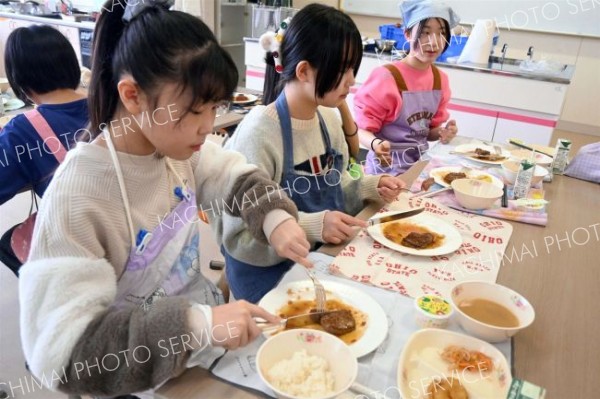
column 478, row 258
column 377, row 370
column 512, row 212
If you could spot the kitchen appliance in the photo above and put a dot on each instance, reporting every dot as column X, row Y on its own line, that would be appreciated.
column 86, row 39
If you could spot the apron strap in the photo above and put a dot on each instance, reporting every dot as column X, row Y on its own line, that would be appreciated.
column 116, row 163
column 437, row 79
column 400, row 83
column 43, row 129
column 286, row 131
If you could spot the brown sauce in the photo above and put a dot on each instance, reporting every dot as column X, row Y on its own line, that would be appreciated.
column 299, row 306
column 397, row 231
column 489, row 312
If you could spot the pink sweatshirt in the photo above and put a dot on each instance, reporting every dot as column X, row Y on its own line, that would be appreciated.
column 378, row 102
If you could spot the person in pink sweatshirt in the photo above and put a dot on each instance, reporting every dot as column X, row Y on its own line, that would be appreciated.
column 403, row 105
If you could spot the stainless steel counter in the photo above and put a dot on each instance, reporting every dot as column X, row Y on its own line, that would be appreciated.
column 510, row 67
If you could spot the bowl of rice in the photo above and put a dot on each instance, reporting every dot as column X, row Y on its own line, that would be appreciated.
column 304, row 363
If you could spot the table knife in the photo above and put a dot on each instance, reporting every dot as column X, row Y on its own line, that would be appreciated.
column 395, row 216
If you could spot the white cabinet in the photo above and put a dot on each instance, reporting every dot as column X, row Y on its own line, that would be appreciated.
column 527, row 128
column 477, row 125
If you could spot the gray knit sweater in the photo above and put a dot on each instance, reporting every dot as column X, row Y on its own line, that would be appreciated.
column 259, row 138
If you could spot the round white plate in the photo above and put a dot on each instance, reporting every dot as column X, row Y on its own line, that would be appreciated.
column 251, row 98
column 452, row 238
column 377, row 324
column 420, row 362
column 472, row 147
column 439, row 173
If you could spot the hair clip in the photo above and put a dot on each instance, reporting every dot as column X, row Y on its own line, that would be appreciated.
column 271, row 41
column 133, row 9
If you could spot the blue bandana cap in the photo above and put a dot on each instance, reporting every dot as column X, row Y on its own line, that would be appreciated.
column 414, row 11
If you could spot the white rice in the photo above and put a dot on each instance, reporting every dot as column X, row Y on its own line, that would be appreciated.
column 303, row 375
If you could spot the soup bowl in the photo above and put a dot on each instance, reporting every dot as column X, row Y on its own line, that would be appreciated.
column 476, row 194
column 291, row 378
column 498, row 294
column 510, row 169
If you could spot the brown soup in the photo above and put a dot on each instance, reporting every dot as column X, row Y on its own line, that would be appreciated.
column 489, row 312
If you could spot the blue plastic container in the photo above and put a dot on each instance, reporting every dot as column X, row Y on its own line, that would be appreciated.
column 455, row 47
column 394, row 32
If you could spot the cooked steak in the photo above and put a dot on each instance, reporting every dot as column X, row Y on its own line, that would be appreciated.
column 450, row 177
column 427, row 183
column 418, row 240
column 480, row 151
column 338, row 323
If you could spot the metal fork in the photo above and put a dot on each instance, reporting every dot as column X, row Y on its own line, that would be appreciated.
column 319, row 291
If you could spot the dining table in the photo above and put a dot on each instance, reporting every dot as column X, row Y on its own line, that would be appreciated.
column 556, row 267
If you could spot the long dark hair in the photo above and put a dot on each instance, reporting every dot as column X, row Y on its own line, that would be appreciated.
column 39, row 59
column 325, row 37
column 157, row 46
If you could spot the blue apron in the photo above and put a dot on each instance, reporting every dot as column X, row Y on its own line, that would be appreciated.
column 314, row 193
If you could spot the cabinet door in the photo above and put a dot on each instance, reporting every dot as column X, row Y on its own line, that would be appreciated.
column 476, row 125
column 529, row 129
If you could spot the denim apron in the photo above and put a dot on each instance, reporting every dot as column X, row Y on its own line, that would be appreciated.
column 166, row 261
column 310, row 193
column 408, row 133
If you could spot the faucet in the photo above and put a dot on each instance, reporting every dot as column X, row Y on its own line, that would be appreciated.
column 504, row 49
column 530, row 53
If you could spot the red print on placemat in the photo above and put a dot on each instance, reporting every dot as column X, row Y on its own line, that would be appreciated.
column 348, row 252
column 474, row 266
column 398, row 286
column 436, row 210
column 375, row 259
column 493, row 225
column 334, row 268
column 398, row 268
column 489, row 239
column 440, row 258
column 365, row 278
column 441, row 274
column 466, row 248
column 376, row 245
column 427, row 289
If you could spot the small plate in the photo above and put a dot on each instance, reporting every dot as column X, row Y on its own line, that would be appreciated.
column 471, row 148
column 377, row 327
column 13, row 104
column 452, row 238
column 420, row 362
column 250, row 98
column 439, row 173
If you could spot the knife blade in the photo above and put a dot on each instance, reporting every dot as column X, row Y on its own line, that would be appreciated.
column 263, row 325
column 396, row 216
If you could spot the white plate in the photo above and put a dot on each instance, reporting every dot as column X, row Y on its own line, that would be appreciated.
column 377, row 324
column 472, row 147
column 439, row 173
column 251, row 98
column 452, row 238
column 420, row 362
